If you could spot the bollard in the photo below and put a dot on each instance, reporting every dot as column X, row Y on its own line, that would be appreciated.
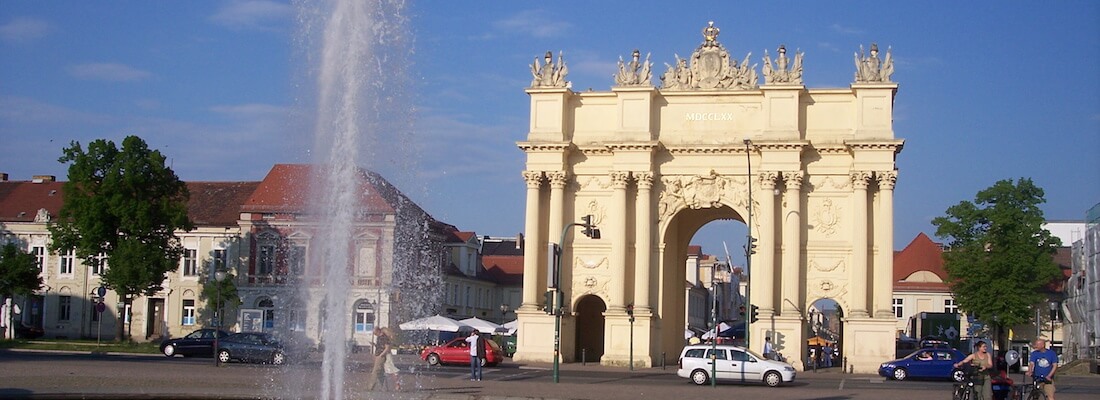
column 844, row 367
column 584, row 356
column 662, row 360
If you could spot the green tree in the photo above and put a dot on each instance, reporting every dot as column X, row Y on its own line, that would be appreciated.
column 218, row 294
column 18, row 273
column 998, row 256
column 122, row 207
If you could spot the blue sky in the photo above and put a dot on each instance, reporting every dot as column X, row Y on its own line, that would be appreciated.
column 988, row 90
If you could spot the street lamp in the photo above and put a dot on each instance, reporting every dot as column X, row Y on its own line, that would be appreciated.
column 504, row 312
column 1053, row 315
column 750, row 243
column 219, row 276
column 714, row 281
column 591, row 231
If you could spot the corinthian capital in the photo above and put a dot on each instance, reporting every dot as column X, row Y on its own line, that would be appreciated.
column 793, row 179
column 887, row 179
column 644, row 179
column 859, row 179
column 619, row 179
column 767, row 179
column 533, row 178
column 557, row 178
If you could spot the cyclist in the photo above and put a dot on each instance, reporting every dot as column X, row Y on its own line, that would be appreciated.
column 1044, row 362
column 982, row 363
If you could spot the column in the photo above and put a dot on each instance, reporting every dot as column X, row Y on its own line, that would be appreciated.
column 792, row 242
column 642, row 240
column 859, row 243
column 764, row 269
column 884, row 243
column 557, row 204
column 617, row 296
column 532, row 242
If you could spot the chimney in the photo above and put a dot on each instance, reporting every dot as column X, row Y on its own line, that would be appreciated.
column 43, row 178
column 3, row 176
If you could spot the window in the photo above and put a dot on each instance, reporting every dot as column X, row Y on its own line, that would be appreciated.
column 899, row 308
column 694, row 353
column 297, row 319
column 219, row 260
column 297, row 260
column 39, row 257
column 721, row 354
column 99, row 265
column 364, row 317
column 188, row 312
column 64, row 308
column 267, row 260
column 67, row 259
column 190, row 264
column 950, row 306
column 268, row 308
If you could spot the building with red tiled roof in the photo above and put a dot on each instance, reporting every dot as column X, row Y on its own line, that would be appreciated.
column 920, row 283
column 483, row 278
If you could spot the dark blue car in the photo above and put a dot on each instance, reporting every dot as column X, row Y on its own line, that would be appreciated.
column 251, row 347
column 929, row 363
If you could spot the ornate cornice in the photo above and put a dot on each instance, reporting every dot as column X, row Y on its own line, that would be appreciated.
column 703, row 149
column 595, row 150
column 544, row 147
column 794, row 145
column 832, row 149
column 633, row 146
column 888, row 144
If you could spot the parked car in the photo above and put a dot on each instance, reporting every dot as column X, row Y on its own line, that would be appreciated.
column 733, row 363
column 930, row 363
column 251, row 347
column 457, row 351
column 197, row 343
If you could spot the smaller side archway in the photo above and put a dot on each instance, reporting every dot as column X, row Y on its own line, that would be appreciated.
column 590, row 328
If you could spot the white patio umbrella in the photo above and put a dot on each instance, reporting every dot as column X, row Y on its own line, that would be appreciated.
column 435, row 323
column 481, row 325
column 509, row 328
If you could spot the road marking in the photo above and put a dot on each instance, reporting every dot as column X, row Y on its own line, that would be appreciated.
column 841, row 384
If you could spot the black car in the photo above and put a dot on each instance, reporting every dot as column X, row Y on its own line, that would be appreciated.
column 197, row 343
column 251, row 347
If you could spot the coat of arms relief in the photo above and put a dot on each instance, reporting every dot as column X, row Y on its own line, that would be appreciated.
column 701, row 191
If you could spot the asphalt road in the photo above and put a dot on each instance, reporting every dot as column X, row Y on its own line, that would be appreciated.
column 68, row 375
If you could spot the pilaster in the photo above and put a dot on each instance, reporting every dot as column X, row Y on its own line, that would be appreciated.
column 859, row 243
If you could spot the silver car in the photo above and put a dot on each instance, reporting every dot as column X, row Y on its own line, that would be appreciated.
column 733, row 363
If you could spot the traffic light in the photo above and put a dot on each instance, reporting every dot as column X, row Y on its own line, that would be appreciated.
column 590, row 230
column 755, row 315
column 548, row 302
column 630, row 311
column 750, row 248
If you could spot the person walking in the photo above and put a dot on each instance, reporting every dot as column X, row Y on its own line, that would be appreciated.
column 982, row 364
column 477, row 353
column 381, row 354
column 1044, row 362
column 769, row 351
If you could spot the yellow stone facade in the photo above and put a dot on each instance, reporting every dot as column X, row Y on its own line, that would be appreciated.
column 654, row 165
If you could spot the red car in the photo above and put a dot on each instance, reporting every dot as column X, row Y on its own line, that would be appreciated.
column 457, row 351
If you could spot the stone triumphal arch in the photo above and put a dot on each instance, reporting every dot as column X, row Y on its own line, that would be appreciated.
column 652, row 163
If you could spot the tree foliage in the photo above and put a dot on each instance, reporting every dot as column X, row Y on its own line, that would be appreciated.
column 18, row 272
column 219, row 294
column 998, row 257
column 123, row 207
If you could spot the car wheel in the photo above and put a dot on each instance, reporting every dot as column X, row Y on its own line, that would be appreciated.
column 278, row 358
column 958, row 375
column 773, row 378
column 900, row 374
column 433, row 359
column 169, row 350
column 223, row 355
column 700, row 377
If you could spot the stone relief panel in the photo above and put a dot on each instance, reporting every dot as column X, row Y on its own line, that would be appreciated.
column 829, row 288
column 585, row 284
column 825, row 217
column 600, row 263
column 828, row 265
column 700, row 191
column 597, row 211
column 831, row 184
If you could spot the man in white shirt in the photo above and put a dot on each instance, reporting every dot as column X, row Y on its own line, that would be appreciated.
column 477, row 352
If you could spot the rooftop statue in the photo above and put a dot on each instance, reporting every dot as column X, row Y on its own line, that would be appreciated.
column 782, row 72
column 549, row 73
column 710, row 68
column 634, row 73
column 870, row 68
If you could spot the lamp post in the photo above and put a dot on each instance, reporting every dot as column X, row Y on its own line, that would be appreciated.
column 714, row 281
column 750, row 244
column 1053, row 315
column 591, row 231
column 504, row 312
column 218, row 277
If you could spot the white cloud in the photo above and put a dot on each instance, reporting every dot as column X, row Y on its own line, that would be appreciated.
column 108, row 72
column 24, row 30
column 253, row 14
column 847, row 30
column 536, row 23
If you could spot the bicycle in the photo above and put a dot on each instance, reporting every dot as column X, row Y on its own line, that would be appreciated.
column 968, row 389
column 1035, row 389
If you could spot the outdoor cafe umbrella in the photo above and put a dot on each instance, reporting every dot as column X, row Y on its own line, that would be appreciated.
column 481, row 325
column 818, row 341
column 435, row 323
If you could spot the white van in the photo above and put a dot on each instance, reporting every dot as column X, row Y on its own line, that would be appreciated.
column 733, row 364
